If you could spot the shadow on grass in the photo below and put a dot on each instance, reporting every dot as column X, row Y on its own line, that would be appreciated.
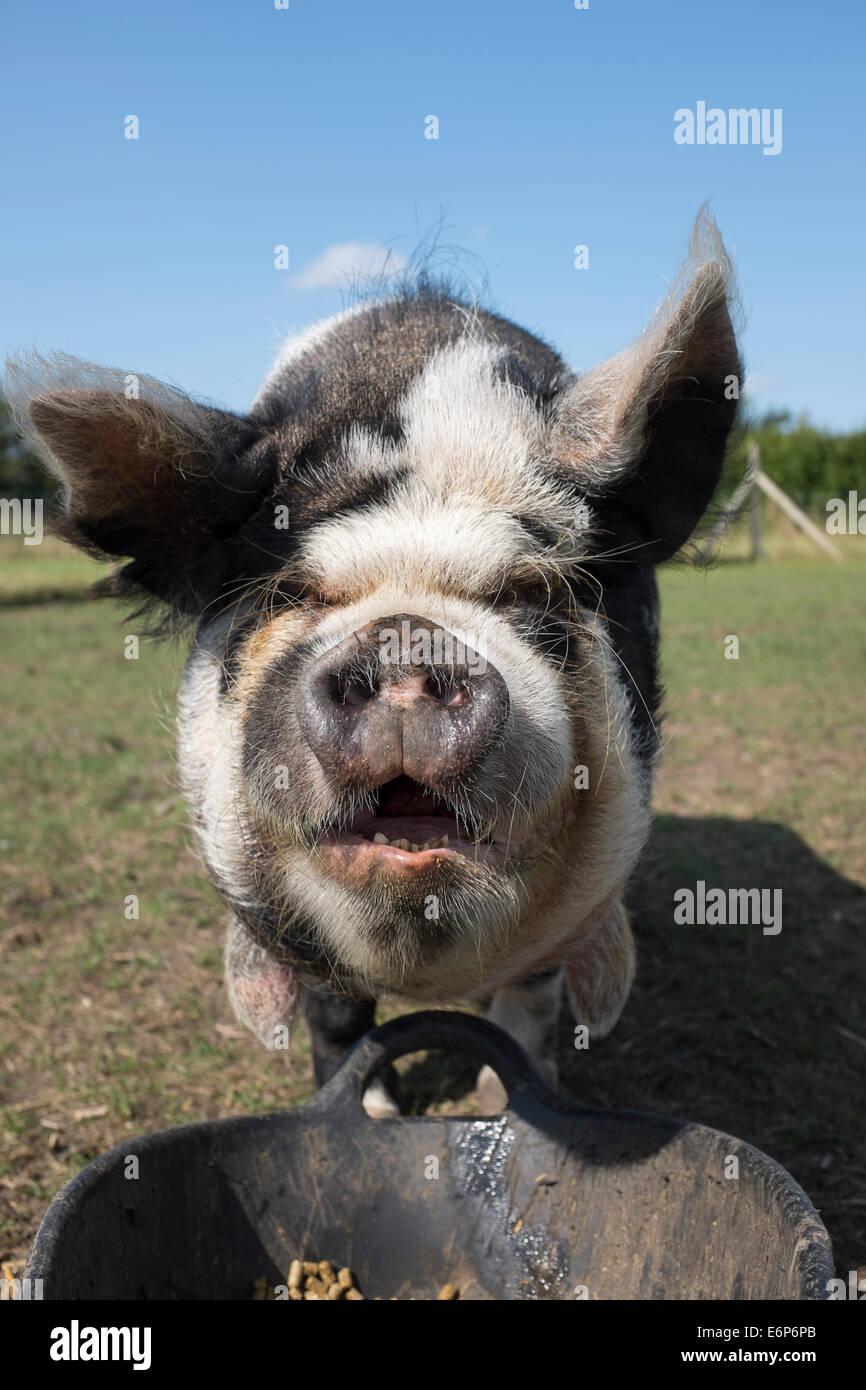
column 429, row 1080
column 28, row 598
column 763, row 1037
column 760, row 1036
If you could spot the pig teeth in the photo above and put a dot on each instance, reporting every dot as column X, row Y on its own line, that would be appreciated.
column 380, row 839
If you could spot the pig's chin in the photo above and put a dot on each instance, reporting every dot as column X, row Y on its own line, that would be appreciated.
column 408, row 833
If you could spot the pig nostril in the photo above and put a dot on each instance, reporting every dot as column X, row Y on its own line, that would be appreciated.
column 358, row 695
column 345, row 691
column 446, row 692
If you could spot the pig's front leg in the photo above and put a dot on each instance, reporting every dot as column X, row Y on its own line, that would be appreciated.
column 335, row 1025
column 598, row 973
column 264, row 994
column 529, row 1012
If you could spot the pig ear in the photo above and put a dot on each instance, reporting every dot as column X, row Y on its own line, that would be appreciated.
column 263, row 992
column 148, row 474
column 647, row 429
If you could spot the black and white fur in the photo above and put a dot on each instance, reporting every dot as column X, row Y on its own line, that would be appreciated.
column 433, row 459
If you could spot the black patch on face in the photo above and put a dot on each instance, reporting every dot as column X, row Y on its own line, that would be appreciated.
column 553, row 636
column 341, row 496
column 267, row 722
column 361, row 369
column 295, row 940
column 357, row 373
column 531, row 368
column 391, row 430
column 356, row 376
column 262, row 548
column 630, row 608
column 236, row 638
column 624, row 596
column 546, row 536
column 565, row 478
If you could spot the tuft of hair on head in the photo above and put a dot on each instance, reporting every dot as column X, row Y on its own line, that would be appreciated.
column 436, row 272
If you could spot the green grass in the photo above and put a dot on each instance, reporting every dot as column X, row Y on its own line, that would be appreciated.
column 779, row 732
column 36, row 573
column 760, row 783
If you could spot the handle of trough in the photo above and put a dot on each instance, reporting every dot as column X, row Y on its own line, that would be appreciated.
column 433, row 1028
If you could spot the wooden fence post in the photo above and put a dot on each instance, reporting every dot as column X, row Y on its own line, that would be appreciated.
column 755, row 501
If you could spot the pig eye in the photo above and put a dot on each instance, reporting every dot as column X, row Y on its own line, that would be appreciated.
column 523, row 596
column 314, row 598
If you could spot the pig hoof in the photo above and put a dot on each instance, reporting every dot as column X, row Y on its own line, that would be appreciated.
column 378, row 1104
column 492, row 1095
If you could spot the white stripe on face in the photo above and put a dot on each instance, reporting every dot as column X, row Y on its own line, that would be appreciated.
column 470, row 450
column 418, row 539
column 470, row 431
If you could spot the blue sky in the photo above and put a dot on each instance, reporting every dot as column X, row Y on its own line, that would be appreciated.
column 305, row 127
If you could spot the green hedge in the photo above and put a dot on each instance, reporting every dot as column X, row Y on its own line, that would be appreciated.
column 21, row 472
column 810, row 464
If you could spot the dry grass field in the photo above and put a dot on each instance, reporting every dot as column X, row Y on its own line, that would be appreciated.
column 111, row 1026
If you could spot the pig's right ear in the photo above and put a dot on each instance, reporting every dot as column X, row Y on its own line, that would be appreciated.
column 645, row 433
column 147, row 473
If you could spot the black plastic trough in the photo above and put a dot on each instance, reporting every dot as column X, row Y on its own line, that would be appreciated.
column 548, row 1201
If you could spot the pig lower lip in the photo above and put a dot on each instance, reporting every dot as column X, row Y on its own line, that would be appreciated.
column 351, row 849
column 404, row 831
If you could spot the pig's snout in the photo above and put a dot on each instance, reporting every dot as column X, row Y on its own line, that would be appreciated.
column 402, row 697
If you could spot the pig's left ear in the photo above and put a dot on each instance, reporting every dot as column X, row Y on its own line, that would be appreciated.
column 646, row 431
column 263, row 992
column 147, row 474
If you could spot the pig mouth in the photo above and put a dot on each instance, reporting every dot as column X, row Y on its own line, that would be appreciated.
column 407, row 826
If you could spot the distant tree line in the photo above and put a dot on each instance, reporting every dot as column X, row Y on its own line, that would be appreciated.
column 22, row 474
column 810, row 464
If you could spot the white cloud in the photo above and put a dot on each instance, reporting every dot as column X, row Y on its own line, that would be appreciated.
column 345, row 264
column 755, row 381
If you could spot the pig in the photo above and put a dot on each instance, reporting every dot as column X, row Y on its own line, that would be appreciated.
column 419, row 718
